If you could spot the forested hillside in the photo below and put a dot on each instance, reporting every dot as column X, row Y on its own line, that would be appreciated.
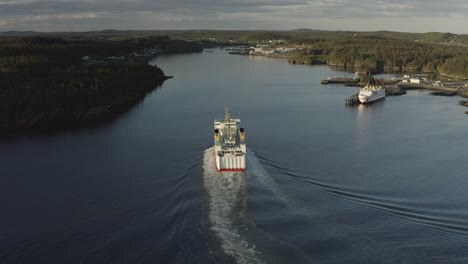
column 443, row 53
column 377, row 55
column 61, row 79
column 48, row 82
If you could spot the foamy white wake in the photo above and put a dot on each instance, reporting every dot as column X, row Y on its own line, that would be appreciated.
column 257, row 172
column 227, row 193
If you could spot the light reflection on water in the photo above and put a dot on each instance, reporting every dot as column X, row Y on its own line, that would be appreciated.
column 383, row 183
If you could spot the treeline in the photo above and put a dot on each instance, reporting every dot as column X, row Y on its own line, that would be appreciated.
column 377, row 51
column 29, row 53
column 305, row 36
column 66, row 96
column 455, row 67
column 378, row 55
column 50, row 82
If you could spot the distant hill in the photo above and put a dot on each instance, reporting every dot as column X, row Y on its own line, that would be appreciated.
column 19, row 33
column 306, row 30
column 256, row 35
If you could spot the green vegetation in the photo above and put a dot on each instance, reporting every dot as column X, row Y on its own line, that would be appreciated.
column 306, row 36
column 443, row 53
column 57, row 79
column 49, row 82
column 378, row 55
column 455, row 67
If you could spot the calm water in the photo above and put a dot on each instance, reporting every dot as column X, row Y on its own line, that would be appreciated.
column 325, row 183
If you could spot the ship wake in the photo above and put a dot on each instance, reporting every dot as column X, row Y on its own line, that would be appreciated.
column 258, row 173
column 227, row 203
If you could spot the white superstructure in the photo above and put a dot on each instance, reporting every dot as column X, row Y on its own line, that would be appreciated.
column 370, row 93
column 230, row 149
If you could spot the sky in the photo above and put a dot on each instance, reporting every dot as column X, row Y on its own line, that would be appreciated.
column 354, row 15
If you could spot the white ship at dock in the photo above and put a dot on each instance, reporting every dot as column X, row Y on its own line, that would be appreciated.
column 230, row 148
column 371, row 93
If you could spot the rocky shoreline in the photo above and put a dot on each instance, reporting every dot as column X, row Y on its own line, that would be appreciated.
column 465, row 104
column 437, row 90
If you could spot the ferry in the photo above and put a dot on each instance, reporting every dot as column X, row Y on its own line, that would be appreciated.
column 229, row 144
column 371, row 93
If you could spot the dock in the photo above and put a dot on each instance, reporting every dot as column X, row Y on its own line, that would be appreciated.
column 240, row 50
column 339, row 80
column 385, row 81
column 352, row 100
column 355, row 81
column 415, row 86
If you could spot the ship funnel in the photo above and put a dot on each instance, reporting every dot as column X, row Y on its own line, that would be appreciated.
column 216, row 135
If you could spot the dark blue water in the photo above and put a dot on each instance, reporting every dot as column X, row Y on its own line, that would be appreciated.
column 325, row 183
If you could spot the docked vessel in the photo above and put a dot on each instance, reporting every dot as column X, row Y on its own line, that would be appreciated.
column 230, row 148
column 371, row 93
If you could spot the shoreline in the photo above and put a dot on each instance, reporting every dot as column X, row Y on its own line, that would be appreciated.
column 57, row 121
column 78, row 85
column 437, row 90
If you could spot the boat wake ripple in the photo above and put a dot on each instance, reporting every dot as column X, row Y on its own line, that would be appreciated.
column 260, row 178
column 404, row 210
column 227, row 202
column 257, row 171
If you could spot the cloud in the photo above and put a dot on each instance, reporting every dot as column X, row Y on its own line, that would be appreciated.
column 16, row 2
column 227, row 14
column 72, row 16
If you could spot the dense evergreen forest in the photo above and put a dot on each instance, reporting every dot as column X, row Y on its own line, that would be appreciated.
column 378, row 55
column 304, row 36
column 51, row 81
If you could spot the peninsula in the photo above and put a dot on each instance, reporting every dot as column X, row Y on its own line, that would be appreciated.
column 53, row 81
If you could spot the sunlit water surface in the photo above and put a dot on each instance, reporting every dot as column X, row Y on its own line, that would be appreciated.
column 325, row 183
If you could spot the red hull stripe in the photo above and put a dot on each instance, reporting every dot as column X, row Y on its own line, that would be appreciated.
column 223, row 170
column 380, row 99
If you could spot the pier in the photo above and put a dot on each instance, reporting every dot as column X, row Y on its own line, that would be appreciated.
column 339, row 80
column 240, row 50
column 352, row 100
column 386, row 81
column 355, row 81
column 459, row 89
column 414, row 86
